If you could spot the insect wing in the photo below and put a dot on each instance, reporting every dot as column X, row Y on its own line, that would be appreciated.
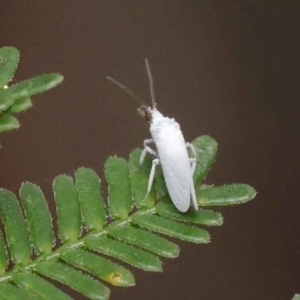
column 175, row 164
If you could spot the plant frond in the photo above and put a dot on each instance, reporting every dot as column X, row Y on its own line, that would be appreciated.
column 16, row 98
column 132, row 229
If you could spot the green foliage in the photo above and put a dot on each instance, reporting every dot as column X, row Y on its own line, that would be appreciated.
column 225, row 195
column 17, row 236
column 139, row 175
column 91, row 202
column 9, row 291
column 119, row 193
column 206, row 148
column 296, row 297
column 9, row 59
column 67, row 208
column 16, row 98
column 38, row 217
column 87, row 286
column 8, row 122
column 132, row 229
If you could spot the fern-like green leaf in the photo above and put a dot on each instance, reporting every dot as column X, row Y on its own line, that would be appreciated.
column 133, row 230
column 206, row 149
column 38, row 216
column 202, row 216
column 28, row 88
column 8, row 122
column 171, row 228
column 225, row 195
column 119, row 193
column 16, row 98
column 3, row 255
column 91, row 202
column 144, row 239
column 11, row 292
column 129, row 254
column 100, row 267
column 20, row 104
column 68, row 209
column 9, row 59
column 85, row 285
column 17, row 235
column 38, row 286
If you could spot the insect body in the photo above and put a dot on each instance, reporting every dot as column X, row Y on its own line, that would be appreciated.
column 171, row 153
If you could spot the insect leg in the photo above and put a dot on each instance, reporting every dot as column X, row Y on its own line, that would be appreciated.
column 155, row 162
column 191, row 146
column 193, row 162
column 147, row 149
column 193, row 195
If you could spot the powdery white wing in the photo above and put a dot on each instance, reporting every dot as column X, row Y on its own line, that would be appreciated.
column 175, row 163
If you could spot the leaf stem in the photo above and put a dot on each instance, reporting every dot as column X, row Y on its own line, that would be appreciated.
column 72, row 245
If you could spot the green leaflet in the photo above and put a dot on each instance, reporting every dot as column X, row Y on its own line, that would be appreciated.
column 171, row 228
column 76, row 280
column 91, row 202
column 230, row 194
column 67, row 207
column 28, row 88
column 296, row 297
column 38, row 286
column 206, row 149
column 15, row 228
column 20, row 104
column 11, row 292
column 16, row 98
column 160, row 184
column 202, row 216
column 9, row 59
column 38, row 216
column 100, row 267
column 131, row 255
column 139, row 175
column 119, row 192
column 144, row 239
column 8, row 122
column 3, row 255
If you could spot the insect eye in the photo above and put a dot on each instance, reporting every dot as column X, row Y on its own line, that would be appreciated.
column 141, row 112
column 148, row 116
column 144, row 112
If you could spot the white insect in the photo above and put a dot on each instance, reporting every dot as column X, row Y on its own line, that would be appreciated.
column 172, row 154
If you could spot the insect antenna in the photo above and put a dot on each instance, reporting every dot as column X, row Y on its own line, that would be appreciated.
column 150, row 83
column 127, row 90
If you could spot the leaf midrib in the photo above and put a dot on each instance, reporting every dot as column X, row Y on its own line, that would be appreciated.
column 73, row 245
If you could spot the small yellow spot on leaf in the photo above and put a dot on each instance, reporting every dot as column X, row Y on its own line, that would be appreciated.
column 114, row 278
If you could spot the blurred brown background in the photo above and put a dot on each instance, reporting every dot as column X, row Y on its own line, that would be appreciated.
column 229, row 69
